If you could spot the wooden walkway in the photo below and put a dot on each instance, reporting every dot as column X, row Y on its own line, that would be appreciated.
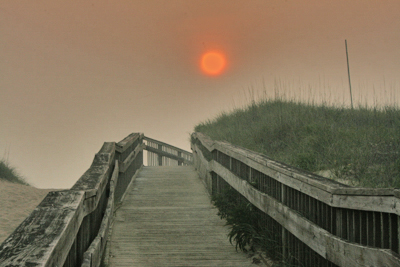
column 167, row 220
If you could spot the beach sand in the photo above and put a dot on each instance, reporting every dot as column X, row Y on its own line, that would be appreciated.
column 16, row 203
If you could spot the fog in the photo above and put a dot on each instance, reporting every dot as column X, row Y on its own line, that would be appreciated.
column 74, row 74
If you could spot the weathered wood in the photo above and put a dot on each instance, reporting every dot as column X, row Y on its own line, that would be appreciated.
column 45, row 237
column 122, row 145
column 93, row 256
column 132, row 156
column 95, row 179
column 167, row 220
column 320, row 188
column 61, row 228
column 168, row 155
column 130, row 184
column 160, row 157
column 206, row 141
column 321, row 241
column 359, row 215
column 145, row 138
column 384, row 203
column 202, row 167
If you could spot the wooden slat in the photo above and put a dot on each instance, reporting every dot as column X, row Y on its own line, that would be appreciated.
column 93, row 256
column 202, row 167
column 92, row 180
column 206, row 141
column 122, row 145
column 145, row 138
column 132, row 156
column 168, row 155
column 321, row 241
column 167, row 220
column 95, row 179
column 326, row 190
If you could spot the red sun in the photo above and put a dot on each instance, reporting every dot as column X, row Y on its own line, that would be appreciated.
column 213, row 63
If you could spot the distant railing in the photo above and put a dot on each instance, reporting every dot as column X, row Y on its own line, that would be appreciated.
column 315, row 221
column 70, row 228
column 162, row 154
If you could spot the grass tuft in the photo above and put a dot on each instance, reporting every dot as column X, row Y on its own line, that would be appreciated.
column 360, row 146
column 10, row 174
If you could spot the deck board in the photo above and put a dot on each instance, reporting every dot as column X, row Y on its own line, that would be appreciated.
column 167, row 220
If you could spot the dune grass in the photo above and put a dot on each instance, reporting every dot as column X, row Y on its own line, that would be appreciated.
column 10, row 174
column 360, row 146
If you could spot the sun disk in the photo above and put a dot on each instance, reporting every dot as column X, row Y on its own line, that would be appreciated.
column 213, row 63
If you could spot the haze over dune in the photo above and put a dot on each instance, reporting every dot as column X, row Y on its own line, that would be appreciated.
column 74, row 74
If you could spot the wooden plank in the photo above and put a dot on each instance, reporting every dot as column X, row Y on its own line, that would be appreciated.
column 320, row 188
column 206, row 141
column 47, row 234
column 132, row 156
column 387, row 204
column 289, row 179
column 122, row 145
column 95, row 252
column 160, row 157
column 321, row 241
column 343, row 253
column 130, row 184
column 202, row 167
column 92, row 179
column 95, row 179
column 167, row 220
column 145, row 138
column 365, row 191
column 168, row 155
column 251, row 158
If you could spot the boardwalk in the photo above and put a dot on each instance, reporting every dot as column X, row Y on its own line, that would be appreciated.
column 167, row 220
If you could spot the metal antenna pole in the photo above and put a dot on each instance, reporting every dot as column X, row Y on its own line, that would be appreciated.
column 348, row 71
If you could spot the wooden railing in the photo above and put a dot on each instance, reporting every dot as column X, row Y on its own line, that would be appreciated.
column 315, row 221
column 162, row 154
column 70, row 228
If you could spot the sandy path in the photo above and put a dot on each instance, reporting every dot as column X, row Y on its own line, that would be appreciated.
column 16, row 203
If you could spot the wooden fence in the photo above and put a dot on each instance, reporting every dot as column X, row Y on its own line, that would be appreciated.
column 162, row 154
column 315, row 221
column 70, row 228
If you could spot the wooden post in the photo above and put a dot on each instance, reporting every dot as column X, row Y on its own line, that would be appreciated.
column 180, row 163
column 159, row 156
column 284, row 235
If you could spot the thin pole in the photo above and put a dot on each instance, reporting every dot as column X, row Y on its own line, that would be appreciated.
column 348, row 71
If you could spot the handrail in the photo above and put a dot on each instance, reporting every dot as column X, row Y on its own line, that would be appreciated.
column 94, row 254
column 146, row 138
column 158, row 152
column 344, row 225
column 70, row 227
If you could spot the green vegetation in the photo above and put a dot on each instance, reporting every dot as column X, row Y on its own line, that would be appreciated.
column 360, row 146
column 9, row 173
column 247, row 232
column 243, row 222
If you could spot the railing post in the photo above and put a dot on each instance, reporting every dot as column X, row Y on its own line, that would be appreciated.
column 180, row 163
column 159, row 156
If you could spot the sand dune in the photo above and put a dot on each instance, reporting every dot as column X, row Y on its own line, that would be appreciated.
column 16, row 203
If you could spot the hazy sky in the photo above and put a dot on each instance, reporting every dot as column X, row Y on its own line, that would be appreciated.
column 74, row 74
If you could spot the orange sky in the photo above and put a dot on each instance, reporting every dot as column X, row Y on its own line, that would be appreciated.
column 74, row 74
